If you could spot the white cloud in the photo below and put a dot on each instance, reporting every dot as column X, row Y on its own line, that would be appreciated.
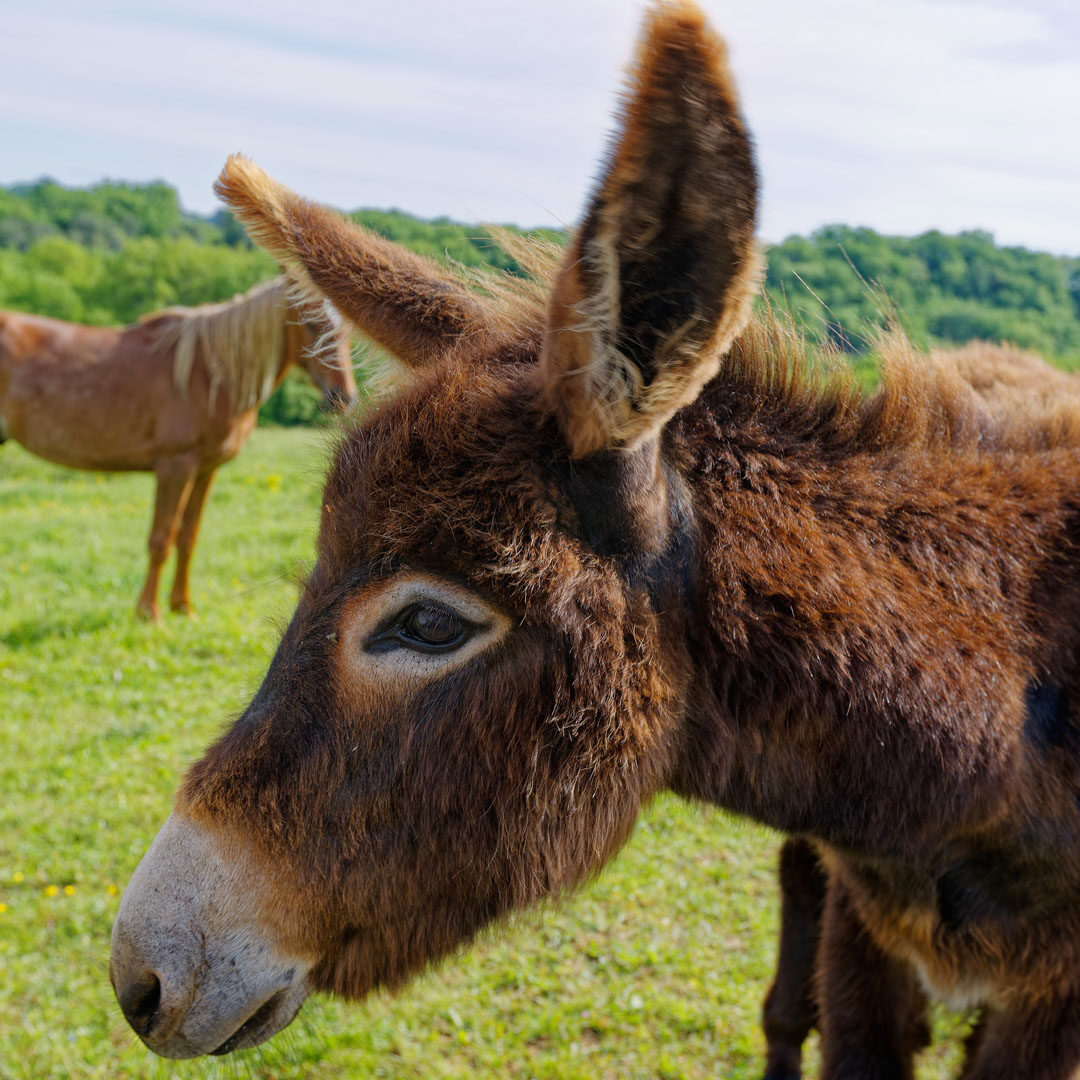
column 901, row 115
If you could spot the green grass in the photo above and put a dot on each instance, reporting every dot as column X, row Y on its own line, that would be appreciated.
column 657, row 969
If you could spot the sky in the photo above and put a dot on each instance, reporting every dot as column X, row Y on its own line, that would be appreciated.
column 903, row 115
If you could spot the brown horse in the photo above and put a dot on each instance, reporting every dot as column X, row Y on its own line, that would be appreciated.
column 177, row 394
column 625, row 542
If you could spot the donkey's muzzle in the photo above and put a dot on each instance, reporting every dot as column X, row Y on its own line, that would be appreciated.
column 193, row 969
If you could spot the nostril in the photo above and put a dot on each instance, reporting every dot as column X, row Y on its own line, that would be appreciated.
column 139, row 1002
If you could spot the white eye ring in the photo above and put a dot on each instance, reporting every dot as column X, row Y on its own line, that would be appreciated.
column 375, row 616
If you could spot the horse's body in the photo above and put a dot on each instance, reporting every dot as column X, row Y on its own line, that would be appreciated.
column 623, row 544
column 147, row 398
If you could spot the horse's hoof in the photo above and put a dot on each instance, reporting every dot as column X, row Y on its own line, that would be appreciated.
column 182, row 607
column 149, row 613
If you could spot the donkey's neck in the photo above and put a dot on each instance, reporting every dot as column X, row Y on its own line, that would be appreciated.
column 864, row 647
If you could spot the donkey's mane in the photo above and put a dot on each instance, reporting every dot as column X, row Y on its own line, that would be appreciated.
column 977, row 396
column 1028, row 398
column 241, row 341
column 948, row 399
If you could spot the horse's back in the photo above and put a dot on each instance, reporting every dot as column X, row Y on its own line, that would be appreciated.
column 37, row 341
column 84, row 396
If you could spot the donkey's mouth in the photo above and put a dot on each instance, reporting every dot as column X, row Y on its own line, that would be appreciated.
column 257, row 1027
column 191, row 966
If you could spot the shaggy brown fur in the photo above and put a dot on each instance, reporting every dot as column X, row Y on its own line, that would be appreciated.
column 1035, row 406
column 1036, row 402
column 176, row 394
column 852, row 617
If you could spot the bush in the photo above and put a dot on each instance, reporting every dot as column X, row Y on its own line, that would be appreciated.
column 296, row 401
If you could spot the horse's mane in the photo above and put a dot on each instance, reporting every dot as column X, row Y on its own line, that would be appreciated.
column 241, row 341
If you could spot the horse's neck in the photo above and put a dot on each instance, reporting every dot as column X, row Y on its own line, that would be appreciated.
column 288, row 355
column 292, row 348
column 867, row 659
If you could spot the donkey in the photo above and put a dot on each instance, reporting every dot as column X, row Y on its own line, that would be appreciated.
column 177, row 394
column 626, row 540
column 1035, row 405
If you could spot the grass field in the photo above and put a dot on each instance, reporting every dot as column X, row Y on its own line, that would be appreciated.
column 656, row 970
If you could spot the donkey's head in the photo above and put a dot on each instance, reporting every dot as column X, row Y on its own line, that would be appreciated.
column 488, row 670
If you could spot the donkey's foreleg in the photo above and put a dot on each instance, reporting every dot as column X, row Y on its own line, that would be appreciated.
column 179, row 600
column 1041, row 1043
column 791, row 1004
column 873, row 1013
column 175, row 478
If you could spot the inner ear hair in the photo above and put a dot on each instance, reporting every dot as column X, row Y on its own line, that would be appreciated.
column 407, row 304
column 660, row 276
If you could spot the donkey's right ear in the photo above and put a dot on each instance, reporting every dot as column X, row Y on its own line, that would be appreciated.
column 404, row 302
column 660, row 276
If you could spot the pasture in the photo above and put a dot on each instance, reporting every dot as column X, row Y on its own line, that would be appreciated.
column 657, row 969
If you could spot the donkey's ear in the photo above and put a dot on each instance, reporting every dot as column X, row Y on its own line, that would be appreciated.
column 404, row 302
column 660, row 276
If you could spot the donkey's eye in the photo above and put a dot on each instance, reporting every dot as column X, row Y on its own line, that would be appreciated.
column 424, row 627
column 434, row 626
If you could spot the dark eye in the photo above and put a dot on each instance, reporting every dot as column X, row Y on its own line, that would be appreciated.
column 433, row 626
column 425, row 627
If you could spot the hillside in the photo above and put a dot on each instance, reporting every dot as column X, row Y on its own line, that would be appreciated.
column 944, row 289
column 114, row 251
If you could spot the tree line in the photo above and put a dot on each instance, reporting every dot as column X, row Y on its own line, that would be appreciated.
column 942, row 289
column 110, row 253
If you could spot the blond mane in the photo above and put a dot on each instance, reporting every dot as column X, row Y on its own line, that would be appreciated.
column 240, row 342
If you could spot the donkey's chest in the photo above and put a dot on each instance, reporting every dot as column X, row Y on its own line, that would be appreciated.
column 979, row 922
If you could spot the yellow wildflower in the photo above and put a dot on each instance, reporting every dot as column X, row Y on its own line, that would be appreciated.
column 51, row 890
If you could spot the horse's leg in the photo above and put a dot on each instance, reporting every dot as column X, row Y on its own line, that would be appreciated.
column 873, row 1013
column 175, row 477
column 179, row 600
column 791, row 1004
column 1040, row 1043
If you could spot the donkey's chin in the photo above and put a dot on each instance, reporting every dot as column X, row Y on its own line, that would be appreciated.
column 193, row 967
column 267, row 1020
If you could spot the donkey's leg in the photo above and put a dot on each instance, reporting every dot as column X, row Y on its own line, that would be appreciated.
column 1041, row 1043
column 179, row 600
column 175, row 477
column 791, row 1004
column 872, row 1010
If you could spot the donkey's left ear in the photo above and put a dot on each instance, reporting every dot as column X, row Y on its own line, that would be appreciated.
column 660, row 276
